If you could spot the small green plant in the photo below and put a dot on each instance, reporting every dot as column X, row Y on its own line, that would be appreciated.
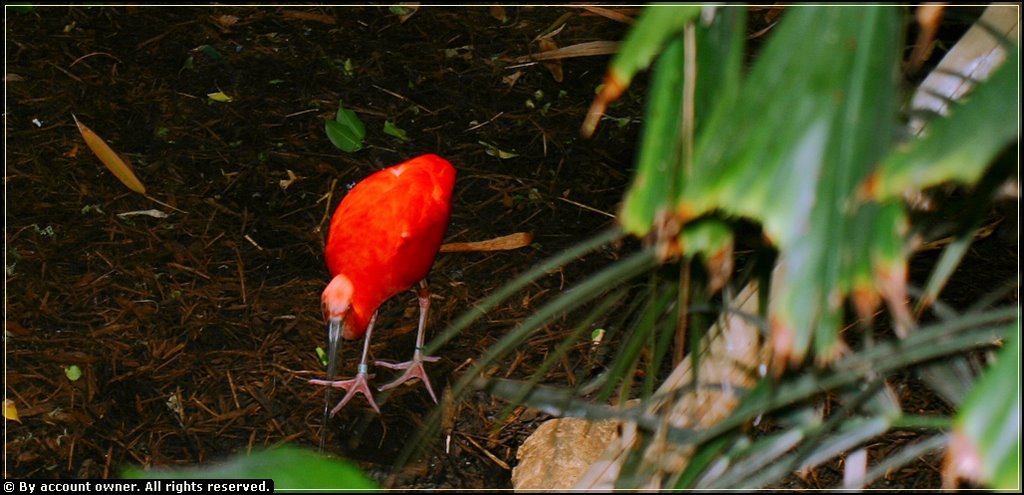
column 73, row 372
column 346, row 131
column 393, row 130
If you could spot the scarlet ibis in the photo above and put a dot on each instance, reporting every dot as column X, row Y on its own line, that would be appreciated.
column 383, row 239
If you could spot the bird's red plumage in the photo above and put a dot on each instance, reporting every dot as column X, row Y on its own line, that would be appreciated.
column 387, row 231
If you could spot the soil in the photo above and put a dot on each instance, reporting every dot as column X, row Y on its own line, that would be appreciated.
column 196, row 333
column 216, row 307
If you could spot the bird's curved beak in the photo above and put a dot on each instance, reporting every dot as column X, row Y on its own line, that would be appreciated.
column 333, row 340
column 336, row 299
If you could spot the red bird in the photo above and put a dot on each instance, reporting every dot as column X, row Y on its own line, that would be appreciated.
column 384, row 237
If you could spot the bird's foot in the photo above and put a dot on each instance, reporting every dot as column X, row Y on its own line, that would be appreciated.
column 356, row 385
column 413, row 369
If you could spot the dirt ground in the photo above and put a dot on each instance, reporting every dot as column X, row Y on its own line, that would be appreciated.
column 196, row 333
column 216, row 306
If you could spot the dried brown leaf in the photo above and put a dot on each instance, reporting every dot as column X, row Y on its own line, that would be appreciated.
column 512, row 78
column 618, row 15
column 585, row 49
column 929, row 16
column 225, row 21
column 504, row 243
column 114, row 162
column 309, row 16
column 553, row 66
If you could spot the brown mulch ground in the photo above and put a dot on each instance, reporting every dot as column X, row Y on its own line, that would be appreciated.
column 217, row 305
column 196, row 333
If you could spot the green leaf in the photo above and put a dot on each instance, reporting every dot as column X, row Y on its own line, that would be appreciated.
column 711, row 239
column 321, row 354
column 392, row 130
column 988, row 424
column 790, row 150
column 708, row 237
column 652, row 31
column 657, row 163
column 961, row 146
column 719, row 60
column 73, row 372
column 346, row 131
column 214, row 55
column 496, row 152
column 349, row 119
column 399, row 10
column 289, row 467
column 219, row 96
column 655, row 26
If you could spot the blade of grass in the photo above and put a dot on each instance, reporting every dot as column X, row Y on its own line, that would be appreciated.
column 663, row 339
column 708, row 453
column 768, row 397
column 854, row 432
column 581, row 294
column 906, row 455
column 562, row 349
column 567, row 301
column 819, row 445
column 757, row 456
column 986, row 432
column 632, row 345
column 508, row 290
column 968, row 332
column 612, row 330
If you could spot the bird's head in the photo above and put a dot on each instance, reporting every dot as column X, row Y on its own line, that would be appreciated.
column 337, row 300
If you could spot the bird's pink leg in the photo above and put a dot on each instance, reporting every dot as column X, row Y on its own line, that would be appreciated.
column 359, row 383
column 414, row 367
